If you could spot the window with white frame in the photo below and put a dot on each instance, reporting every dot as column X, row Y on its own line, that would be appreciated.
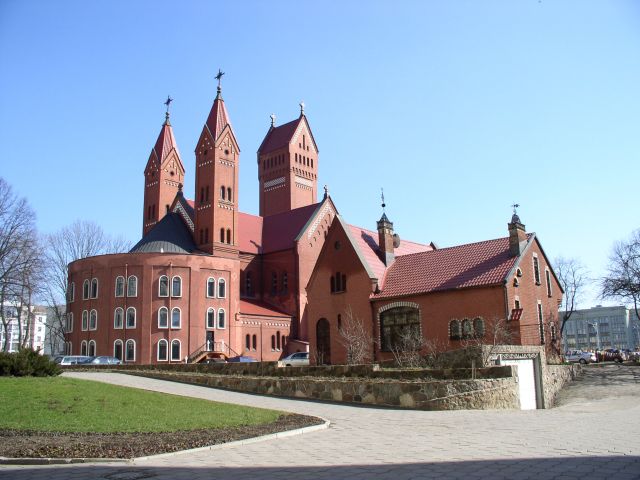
column 176, row 287
column 175, row 318
column 163, row 317
column 536, row 269
column 221, row 318
column 83, row 347
column 132, row 286
column 547, row 275
column 130, row 351
column 68, row 348
column 131, row 317
column 163, row 286
column 117, row 350
column 93, row 320
column 118, row 318
column 541, row 323
column 163, row 350
column 119, row 287
column 68, row 323
column 175, row 350
column 71, row 292
column 85, row 290
column 211, row 287
column 94, row 288
column 222, row 288
column 92, row 348
column 85, row 320
column 211, row 318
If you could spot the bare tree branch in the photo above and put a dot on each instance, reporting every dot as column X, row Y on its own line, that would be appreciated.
column 356, row 339
column 573, row 278
column 623, row 278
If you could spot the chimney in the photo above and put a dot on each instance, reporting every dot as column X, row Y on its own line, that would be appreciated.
column 517, row 235
column 386, row 240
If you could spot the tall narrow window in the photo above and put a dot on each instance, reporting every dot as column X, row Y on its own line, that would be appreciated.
column 119, row 286
column 132, row 286
column 131, row 317
column 162, row 350
column 536, row 270
column 92, row 348
column 85, row 290
column 118, row 318
column 211, row 318
column 71, row 292
column 130, row 351
column 274, row 284
column 273, row 342
column 117, row 349
column 175, row 318
column 547, row 274
column 221, row 318
column 94, row 288
column 229, row 236
column 163, row 286
column 85, row 320
column 163, row 317
column 222, row 288
column 202, row 195
column 176, row 287
column 222, row 235
column 93, row 320
column 206, row 193
column 277, row 340
column 247, row 342
column 285, row 283
column 254, row 341
column 175, row 350
column 83, row 347
column 223, row 192
column 229, row 193
column 68, row 326
column 206, row 235
column 541, row 323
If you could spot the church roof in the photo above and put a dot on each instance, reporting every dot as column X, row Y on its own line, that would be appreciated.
column 463, row 266
column 165, row 143
column 262, row 309
column 218, row 117
column 169, row 235
column 278, row 137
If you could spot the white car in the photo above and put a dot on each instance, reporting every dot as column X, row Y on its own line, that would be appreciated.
column 295, row 359
column 579, row 356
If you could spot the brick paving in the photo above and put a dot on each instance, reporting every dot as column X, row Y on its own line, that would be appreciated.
column 593, row 435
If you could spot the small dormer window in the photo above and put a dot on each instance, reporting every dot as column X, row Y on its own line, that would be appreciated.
column 518, row 272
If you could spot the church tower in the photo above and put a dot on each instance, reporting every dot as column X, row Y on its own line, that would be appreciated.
column 288, row 167
column 216, row 189
column 163, row 175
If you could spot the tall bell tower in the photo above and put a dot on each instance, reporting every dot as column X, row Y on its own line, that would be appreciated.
column 163, row 175
column 216, row 188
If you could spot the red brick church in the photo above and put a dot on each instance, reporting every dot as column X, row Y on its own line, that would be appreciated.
column 207, row 280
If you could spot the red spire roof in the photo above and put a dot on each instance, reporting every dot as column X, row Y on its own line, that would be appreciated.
column 166, row 142
column 218, row 117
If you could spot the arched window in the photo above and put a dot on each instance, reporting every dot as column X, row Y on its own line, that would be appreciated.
column 254, row 342
column 132, row 286
column 278, row 341
column 175, row 350
column 399, row 326
column 85, row 290
column 323, row 342
column 455, row 330
column 222, row 235
column 85, row 320
column 130, row 351
column 94, row 288
column 131, row 317
column 285, row 283
column 176, row 287
column 93, row 320
column 247, row 342
column 229, row 236
column 467, row 328
column 229, row 194
column 283, row 340
column 248, row 287
column 68, row 348
column 211, row 287
column 163, row 317
column 478, row 327
column 222, row 291
column 71, row 292
column 162, row 350
column 211, row 318
column 175, row 318
column 221, row 318
column 83, row 347
column 119, row 286
column 92, row 348
column 118, row 318
column 68, row 327
column 117, row 349
column 273, row 342
column 163, row 286
column 223, row 192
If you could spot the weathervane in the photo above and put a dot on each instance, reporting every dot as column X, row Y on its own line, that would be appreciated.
column 301, row 108
column 514, row 206
column 382, row 197
column 273, row 119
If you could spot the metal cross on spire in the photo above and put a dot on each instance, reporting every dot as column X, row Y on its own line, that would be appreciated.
column 514, row 206
column 382, row 197
column 273, row 119
column 168, row 102
column 219, row 77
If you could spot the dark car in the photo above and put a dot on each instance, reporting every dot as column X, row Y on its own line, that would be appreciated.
column 613, row 355
column 104, row 360
column 241, row 359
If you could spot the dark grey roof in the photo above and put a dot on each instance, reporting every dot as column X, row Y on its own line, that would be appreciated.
column 170, row 235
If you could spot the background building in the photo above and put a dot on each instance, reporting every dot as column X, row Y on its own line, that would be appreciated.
column 24, row 327
column 602, row 327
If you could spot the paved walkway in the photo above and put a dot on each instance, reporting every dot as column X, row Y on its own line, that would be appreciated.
column 584, row 437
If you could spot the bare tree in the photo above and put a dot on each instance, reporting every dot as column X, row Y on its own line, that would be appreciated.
column 486, row 337
column 623, row 278
column 79, row 240
column 356, row 339
column 408, row 347
column 573, row 277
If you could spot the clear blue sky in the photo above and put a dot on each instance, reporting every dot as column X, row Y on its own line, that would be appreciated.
column 457, row 108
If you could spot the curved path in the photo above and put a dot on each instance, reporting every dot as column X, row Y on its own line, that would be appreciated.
column 587, row 436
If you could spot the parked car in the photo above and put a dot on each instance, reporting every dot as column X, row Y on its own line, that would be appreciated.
column 579, row 356
column 611, row 354
column 295, row 359
column 241, row 359
column 104, row 360
column 74, row 360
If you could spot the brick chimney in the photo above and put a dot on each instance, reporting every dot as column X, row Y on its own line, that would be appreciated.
column 517, row 236
column 385, row 240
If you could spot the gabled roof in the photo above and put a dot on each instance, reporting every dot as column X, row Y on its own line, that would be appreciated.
column 464, row 266
column 169, row 235
column 250, row 233
column 280, row 231
column 281, row 136
column 262, row 309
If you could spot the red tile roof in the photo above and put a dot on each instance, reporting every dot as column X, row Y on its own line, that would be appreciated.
column 165, row 143
column 280, row 230
column 278, row 137
column 463, row 266
column 254, row 307
column 367, row 242
column 218, row 118
column 250, row 233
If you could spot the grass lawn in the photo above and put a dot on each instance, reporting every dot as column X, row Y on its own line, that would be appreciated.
column 57, row 404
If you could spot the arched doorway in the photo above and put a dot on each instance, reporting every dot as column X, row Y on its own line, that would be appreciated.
column 323, row 342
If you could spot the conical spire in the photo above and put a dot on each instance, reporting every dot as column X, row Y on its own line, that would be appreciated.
column 218, row 116
column 166, row 142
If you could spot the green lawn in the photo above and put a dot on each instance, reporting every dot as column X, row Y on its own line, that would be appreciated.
column 70, row 405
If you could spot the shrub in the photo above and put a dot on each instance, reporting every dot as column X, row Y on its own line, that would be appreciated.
column 27, row 362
